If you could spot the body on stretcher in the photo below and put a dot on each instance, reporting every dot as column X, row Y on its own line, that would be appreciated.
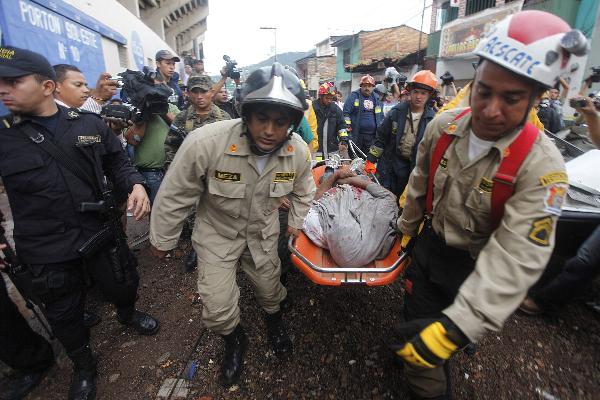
column 318, row 265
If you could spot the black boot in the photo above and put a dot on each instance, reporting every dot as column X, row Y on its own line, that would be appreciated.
column 90, row 318
column 286, row 304
column 143, row 323
column 83, row 383
column 20, row 384
column 280, row 341
column 190, row 262
column 236, row 344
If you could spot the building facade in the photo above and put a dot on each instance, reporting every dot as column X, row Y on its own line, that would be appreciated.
column 455, row 32
column 180, row 23
column 88, row 33
column 373, row 51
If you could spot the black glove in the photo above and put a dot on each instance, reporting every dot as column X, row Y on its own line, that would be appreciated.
column 433, row 345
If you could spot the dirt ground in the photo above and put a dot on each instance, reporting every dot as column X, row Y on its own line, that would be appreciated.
column 341, row 338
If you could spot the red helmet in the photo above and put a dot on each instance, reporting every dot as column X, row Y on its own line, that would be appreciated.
column 367, row 79
column 541, row 51
column 326, row 88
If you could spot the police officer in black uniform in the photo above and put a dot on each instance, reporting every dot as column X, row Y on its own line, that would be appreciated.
column 46, row 197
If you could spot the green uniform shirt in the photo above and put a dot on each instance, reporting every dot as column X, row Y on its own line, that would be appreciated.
column 150, row 153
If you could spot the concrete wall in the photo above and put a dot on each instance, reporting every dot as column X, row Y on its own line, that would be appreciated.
column 117, row 17
column 353, row 45
column 460, row 68
column 390, row 42
column 315, row 70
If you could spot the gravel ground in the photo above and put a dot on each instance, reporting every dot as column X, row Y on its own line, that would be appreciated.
column 341, row 338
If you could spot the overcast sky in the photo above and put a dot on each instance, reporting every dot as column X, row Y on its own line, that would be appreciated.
column 234, row 26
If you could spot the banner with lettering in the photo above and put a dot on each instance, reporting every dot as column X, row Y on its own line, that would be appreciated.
column 29, row 25
column 460, row 37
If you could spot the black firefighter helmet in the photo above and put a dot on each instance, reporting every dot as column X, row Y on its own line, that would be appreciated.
column 274, row 85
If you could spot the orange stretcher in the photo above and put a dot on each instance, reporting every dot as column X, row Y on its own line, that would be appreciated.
column 318, row 266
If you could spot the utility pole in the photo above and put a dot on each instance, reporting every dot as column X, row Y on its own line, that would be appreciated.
column 421, row 34
column 274, row 29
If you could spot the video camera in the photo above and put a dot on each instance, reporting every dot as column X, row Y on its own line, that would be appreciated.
column 390, row 75
column 401, row 80
column 230, row 68
column 595, row 77
column 447, row 78
column 123, row 112
column 141, row 92
column 118, row 80
column 581, row 103
column 436, row 100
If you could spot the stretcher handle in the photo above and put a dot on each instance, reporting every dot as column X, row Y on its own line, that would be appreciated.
column 366, row 270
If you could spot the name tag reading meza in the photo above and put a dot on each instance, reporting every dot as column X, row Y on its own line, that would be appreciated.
column 228, row 176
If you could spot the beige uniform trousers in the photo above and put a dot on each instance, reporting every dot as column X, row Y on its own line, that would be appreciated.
column 220, row 293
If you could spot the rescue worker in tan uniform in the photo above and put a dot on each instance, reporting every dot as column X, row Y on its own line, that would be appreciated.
column 238, row 172
column 473, row 263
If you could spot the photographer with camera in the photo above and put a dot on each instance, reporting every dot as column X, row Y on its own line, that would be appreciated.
column 589, row 109
column 224, row 102
column 590, row 80
column 583, row 268
column 548, row 115
column 197, row 67
column 106, row 88
column 148, row 139
column 53, row 161
column 556, row 98
column 395, row 82
column 220, row 95
column 72, row 92
column 71, row 86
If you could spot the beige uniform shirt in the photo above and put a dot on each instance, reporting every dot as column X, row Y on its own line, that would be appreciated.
column 508, row 260
column 237, row 206
column 407, row 141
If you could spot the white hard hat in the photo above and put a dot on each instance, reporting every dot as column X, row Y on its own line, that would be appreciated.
column 535, row 44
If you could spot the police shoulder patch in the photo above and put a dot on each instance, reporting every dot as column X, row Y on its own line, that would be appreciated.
column 554, row 177
column 541, row 231
column 451, row 128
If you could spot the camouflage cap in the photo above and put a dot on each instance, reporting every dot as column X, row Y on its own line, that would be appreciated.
column 200, row 81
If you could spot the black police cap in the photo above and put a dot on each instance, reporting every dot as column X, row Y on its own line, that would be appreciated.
column 15, row 62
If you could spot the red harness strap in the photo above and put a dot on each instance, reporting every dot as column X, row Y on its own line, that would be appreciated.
column 505, row 177
column 440, row 148
column 504, row 180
